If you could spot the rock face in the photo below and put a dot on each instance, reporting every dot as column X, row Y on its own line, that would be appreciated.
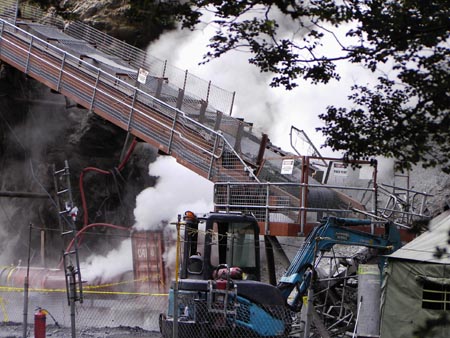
column 40, row 130
column 135, row 22
column 106, row 15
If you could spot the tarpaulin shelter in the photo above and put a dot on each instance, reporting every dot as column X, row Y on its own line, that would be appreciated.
column 416, row 285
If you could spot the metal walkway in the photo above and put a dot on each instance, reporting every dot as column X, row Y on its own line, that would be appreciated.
column 123, row 104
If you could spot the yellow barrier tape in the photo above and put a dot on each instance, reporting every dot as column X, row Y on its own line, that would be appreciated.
column 144, row 279
column 15, row 289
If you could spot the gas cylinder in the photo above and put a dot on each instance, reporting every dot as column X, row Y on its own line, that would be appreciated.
column 39, row 323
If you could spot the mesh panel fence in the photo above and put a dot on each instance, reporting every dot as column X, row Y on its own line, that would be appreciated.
column 200, row 319
column 300, row 193
column 203, row 308
column 8, row 9
column 155, row 121
column 199, row 89
column 204, row 314
column 99, row 308
column 216, row 98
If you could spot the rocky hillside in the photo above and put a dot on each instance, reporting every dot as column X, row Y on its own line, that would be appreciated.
column 135, row 22
column 40, row 130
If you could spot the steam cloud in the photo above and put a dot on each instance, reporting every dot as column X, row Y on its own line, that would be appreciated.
column 178, row 189
column 272, row 110
column 8, row 242
column 98, row 268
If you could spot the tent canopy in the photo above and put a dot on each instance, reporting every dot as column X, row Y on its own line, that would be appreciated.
column 423, row 248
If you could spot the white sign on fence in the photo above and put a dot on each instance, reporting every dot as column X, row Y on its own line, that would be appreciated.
column 287, row 167
column 340, row 169
column 142, row 76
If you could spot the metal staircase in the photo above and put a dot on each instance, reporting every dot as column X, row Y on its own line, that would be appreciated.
column 68, row 72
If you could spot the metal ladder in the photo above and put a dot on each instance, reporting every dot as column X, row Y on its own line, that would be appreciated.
column 66, row 218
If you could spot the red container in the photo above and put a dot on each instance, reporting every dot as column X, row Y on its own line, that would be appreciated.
column 39, row 323
column 148, row 264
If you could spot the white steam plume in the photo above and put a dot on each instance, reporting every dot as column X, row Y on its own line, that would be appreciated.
column 272, row 110
column 97, row 268
column 9, row 242
column 177, row 189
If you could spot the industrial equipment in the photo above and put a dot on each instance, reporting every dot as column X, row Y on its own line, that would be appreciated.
column 220, row 292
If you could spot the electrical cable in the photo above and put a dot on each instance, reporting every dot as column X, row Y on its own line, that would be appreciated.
column 114, row 173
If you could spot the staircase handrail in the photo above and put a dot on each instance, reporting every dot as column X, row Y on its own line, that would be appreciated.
column 49, row 47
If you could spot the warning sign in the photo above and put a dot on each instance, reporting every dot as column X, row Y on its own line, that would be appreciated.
column 142, row 76
column 287, row 167
column 340, row 169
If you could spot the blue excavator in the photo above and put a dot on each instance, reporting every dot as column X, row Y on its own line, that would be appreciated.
column 219, row 291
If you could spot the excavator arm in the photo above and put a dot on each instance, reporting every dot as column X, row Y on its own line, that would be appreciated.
column 331, row 231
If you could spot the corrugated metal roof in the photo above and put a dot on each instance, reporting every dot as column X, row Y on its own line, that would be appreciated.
column 423, row 247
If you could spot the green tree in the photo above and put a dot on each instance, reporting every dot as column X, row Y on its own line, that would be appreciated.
column 404, row 115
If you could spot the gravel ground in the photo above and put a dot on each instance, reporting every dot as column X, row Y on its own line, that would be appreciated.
column 15, row 330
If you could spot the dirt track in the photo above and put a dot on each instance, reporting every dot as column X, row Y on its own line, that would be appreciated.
column 15, row 330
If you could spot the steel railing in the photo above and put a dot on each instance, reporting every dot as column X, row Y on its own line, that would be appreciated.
column 171, row 130
column 276, row 201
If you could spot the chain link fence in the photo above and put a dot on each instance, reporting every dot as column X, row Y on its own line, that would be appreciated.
column 109, row 297
column 99, row 308
column 199, row 318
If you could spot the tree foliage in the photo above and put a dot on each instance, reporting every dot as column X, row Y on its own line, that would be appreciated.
column 404, row 114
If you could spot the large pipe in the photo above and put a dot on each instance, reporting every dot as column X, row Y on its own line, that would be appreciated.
column 39, row 278
column 369, row 292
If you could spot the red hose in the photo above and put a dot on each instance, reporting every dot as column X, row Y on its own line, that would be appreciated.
column 101, row 171
column 93, row 225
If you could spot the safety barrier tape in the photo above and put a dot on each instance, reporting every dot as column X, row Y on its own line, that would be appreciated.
column 17, row 289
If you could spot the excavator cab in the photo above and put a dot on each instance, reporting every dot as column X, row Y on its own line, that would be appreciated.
column 220, row 241
column 219, row 292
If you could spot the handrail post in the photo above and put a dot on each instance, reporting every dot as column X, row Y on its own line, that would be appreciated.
column 304, row 188
column 172, row 132
column 16, row 12
column 58, row 85
column 228, row 196
column 132, row 110
column 94, row 91
column 1, row 31
column 211, row 163
column 28, row 55
column 267, row 220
